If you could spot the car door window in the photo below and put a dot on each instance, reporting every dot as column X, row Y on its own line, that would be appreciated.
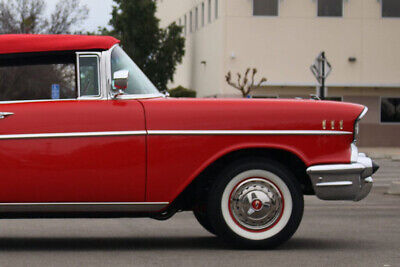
column 37, row 76
column 89, row 82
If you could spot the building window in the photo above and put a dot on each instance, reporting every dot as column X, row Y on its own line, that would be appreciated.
column 202, row 14
column 185, row 25
column 209, row 11
column 390, row 109
column 196, row 18
column 265, row 7
column 216, row 9
column 390, row 8
column 330, row 8
column 191, row 21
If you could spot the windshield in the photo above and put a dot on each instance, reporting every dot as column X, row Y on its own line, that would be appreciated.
column 138, row 82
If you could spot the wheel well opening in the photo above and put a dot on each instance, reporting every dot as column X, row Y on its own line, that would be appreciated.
column 196, row 192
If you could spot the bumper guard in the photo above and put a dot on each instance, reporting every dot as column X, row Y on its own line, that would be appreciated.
column 344, row 181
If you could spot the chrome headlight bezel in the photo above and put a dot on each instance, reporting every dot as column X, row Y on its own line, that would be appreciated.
column 357, row 126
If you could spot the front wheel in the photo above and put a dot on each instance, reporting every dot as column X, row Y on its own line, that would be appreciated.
column 255, row 203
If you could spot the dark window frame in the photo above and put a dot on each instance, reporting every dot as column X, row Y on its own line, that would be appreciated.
column 380, row 110
column 382, row 12
column 267, row 15
column 330, row 16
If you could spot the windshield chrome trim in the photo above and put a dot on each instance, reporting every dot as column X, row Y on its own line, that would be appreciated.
column 109, row 78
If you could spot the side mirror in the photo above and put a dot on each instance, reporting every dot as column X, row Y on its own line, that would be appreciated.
column 120, row 82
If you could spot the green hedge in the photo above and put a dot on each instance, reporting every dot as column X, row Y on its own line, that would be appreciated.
column 181, row 91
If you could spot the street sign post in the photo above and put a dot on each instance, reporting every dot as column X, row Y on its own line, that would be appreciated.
column 321, row 70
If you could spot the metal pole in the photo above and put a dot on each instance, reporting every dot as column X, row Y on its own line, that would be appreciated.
column 322, row 88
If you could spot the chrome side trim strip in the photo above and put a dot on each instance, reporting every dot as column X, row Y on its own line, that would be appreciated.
column 336, row 168
column 245, row 132
column 84, row 207
column 77, row 134
column 341, row 183
column 205, row 132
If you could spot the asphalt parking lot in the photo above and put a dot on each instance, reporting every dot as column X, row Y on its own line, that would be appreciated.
column 366, row 233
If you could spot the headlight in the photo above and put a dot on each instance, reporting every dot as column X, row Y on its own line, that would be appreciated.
column 357, row 122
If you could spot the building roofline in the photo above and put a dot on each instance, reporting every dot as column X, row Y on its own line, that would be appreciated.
column 306, row 84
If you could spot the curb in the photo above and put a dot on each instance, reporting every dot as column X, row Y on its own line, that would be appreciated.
column 396, row 158
column 394, row 188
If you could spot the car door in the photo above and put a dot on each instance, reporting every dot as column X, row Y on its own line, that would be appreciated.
column 88, row 149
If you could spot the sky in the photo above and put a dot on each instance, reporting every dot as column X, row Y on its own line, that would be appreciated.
column 99, row 12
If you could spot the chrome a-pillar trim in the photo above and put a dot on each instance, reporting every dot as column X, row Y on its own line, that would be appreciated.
column 61, row 207
column 343, row 181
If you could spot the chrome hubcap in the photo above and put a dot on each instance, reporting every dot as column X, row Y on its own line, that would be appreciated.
column 256, row 204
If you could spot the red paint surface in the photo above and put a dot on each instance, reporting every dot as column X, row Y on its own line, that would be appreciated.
column 174, row 161
column 113, row 169
column 79, row 169
column 28, row 43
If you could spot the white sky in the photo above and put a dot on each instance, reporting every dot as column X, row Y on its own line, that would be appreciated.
column 99, row 12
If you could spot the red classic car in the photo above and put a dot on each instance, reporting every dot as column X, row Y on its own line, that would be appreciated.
column 84, row 133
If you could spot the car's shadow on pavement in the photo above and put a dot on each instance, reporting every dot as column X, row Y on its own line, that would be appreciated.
column 155, row 243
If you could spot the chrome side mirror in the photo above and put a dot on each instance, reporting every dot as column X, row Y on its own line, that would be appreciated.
column 120, row 82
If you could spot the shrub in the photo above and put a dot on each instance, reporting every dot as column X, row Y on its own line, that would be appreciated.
column 181, row 91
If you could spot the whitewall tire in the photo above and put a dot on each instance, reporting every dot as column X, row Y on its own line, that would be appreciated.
column 255, row 203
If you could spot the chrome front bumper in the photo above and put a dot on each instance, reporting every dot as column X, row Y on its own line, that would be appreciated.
column 344, row 181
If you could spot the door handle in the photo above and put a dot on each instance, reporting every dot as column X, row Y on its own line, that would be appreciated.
column 3, row 115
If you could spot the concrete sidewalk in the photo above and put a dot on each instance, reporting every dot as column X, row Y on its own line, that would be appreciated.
column 392, row 153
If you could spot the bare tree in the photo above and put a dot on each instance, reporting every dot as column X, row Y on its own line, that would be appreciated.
column 244, row 85
column 28, row 16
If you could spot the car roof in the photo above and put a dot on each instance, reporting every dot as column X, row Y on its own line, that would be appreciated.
column 30, row 43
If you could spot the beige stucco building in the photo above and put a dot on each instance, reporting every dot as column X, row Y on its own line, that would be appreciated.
column 281, row 38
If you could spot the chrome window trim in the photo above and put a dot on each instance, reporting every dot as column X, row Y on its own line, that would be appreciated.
column 245, row 132
column 38, row 101
column 72, row 134
column 139, row 96
column 99, row 73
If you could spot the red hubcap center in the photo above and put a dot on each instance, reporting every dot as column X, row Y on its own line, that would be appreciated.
column 256, row 204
